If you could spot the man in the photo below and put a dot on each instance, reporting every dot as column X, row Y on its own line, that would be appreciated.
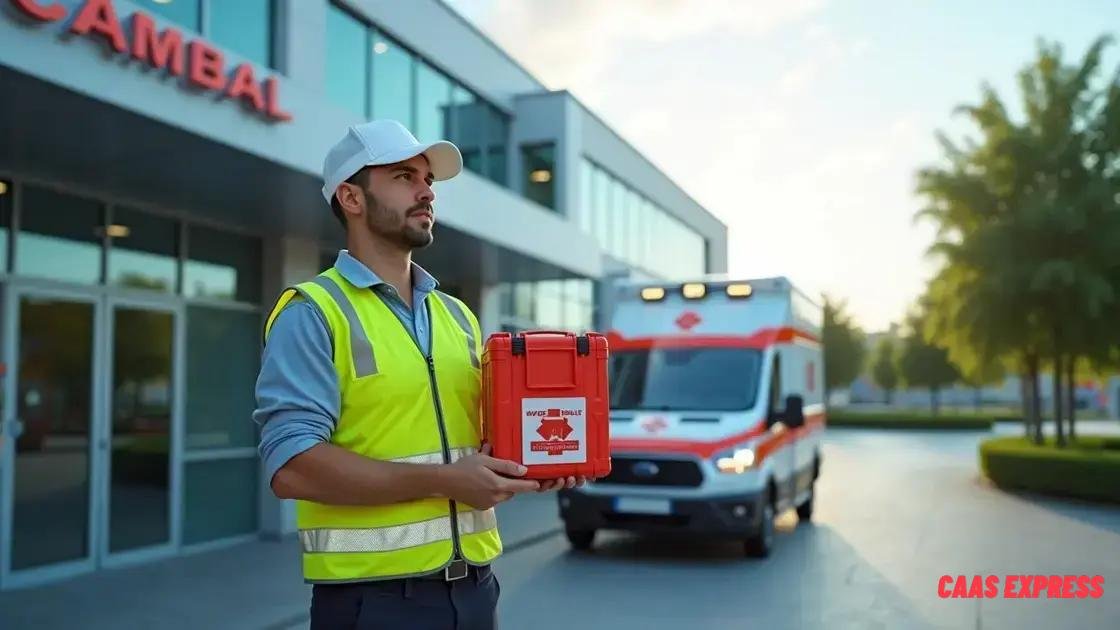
column 368, row 398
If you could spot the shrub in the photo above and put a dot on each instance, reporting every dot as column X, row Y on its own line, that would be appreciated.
column 1089, row 468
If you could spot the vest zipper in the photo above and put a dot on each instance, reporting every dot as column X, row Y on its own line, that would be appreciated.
column 446, row 448
column 455, row 544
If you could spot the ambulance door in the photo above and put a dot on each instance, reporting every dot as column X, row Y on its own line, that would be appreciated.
column 778, row 449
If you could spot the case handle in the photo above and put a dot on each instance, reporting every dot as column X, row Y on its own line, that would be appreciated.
column 583, row 342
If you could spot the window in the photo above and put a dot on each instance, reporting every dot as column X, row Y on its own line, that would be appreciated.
column 347, row 60
column 142, row 251
column 618, row 218
column 550, row 307
column 371, row 74
column 186, row 13
column 497, row 134
column 391, row 81
column 465, row 124
column 219, row 499
column 241, row 26
column 538, row 164
column 583, row 211
column 244, row 26
column 577, row 305
column 647, row 246
column 496, row 164
column 433, row 104
column 633, row 208
column 222, row 266
column 223, row 347
column 60, row 237
column 685, row 379
column 775, row 403
column 602, row 184
column 524, row 301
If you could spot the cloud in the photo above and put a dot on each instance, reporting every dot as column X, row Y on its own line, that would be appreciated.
column 568, row 44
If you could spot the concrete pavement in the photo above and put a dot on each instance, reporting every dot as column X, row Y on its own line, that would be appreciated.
column 895, row 511
column 253, row 585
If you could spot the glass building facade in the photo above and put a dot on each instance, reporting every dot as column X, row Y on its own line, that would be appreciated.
column 370, row 73
column 146, row 231
column 634, row 229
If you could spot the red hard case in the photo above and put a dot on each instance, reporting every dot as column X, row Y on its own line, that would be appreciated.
column 545, row 402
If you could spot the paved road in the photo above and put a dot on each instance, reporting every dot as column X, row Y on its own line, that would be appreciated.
column 894, row 512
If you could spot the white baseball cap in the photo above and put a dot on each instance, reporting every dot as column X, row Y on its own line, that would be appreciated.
column 381, row 142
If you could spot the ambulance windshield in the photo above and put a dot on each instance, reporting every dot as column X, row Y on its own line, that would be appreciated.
column 685, row 379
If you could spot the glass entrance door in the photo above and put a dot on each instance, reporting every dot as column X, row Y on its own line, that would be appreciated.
column 89, row 460
column 49, row 452
column 141, row 395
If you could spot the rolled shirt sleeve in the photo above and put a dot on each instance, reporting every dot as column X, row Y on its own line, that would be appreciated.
column 297, row 392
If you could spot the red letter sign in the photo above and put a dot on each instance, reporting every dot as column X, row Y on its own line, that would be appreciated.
column 206, row 66
column 98, row 16
column 49, row 13
column 272, row 97
column 244, row 85
column 160, row 51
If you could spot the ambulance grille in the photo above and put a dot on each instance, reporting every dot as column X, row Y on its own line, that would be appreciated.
column 637, row 471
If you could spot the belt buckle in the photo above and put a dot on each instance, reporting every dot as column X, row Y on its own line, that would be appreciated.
column 457, row 570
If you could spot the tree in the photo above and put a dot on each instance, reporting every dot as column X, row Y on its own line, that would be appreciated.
column 924, row 364
column 843, row 346
column 1028, row 217
column 884, row 369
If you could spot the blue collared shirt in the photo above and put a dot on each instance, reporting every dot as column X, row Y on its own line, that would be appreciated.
column 298, row 398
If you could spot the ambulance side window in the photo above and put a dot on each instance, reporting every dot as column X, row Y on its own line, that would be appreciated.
column 774, row 410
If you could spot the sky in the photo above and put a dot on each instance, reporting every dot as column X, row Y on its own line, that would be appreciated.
column 798, row 123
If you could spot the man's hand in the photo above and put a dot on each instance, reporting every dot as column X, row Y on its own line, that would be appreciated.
column 561, row 483
column 482, row 481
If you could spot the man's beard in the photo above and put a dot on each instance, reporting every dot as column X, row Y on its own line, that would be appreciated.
column 387, row 224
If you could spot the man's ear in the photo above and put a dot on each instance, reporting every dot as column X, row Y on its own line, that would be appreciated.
column 348, row 198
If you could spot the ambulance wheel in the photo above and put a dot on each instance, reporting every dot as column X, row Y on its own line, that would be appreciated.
column 760, row 543
column 580, row 539
column 805, row 510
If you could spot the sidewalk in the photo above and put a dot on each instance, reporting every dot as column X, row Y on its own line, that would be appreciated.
column 251, row 586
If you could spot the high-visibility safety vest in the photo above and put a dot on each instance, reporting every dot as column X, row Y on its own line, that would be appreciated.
column 396, row 405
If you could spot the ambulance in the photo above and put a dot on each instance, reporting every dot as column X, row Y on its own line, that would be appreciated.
column 717, row 412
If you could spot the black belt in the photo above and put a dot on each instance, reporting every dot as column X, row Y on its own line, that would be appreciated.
column 457, row 570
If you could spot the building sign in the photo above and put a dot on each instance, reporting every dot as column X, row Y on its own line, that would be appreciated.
column 201, row 63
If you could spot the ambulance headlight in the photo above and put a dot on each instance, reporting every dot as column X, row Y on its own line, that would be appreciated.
column 737, row 462
column 652, row 294
column 693, row 290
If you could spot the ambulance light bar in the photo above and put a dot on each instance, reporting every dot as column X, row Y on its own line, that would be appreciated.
column 653, row 294
column 739, row 290
column 693, row 291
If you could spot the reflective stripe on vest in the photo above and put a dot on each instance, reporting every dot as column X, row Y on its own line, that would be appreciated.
column 360, row 346
column 380, row 539
column 435, row 457
column 461, row 319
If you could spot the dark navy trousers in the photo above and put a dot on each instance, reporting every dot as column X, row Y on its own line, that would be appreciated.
column 413, row 604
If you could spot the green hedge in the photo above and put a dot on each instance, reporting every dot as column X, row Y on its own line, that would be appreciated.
column 1087, row 469
column 909, row 420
